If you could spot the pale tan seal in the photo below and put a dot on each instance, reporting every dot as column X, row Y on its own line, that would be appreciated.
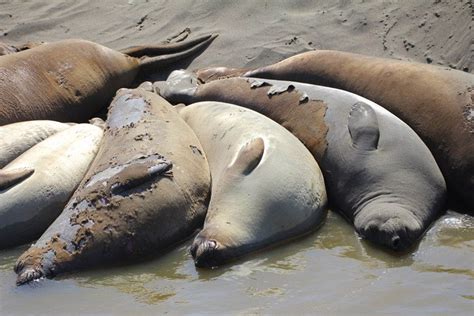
column 266, row 186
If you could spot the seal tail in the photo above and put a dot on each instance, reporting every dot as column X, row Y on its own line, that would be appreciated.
column 163, row 61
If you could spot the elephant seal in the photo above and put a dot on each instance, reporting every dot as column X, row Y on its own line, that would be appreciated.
column 266, row 186
column 35, row 187
column 147, row 189
column 71, row 80
column 16, row 138
column 437, row 102
column 378, row 172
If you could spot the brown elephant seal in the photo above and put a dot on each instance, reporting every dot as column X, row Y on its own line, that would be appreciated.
column 35, row 187
column 71, row 80
column 378, row 172
column 437, row 102
column 266, row 186
column 16, row 138
column 146, row 190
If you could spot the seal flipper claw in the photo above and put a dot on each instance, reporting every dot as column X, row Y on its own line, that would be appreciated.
column 363, row 127
column 9, row 178
column 28, row 275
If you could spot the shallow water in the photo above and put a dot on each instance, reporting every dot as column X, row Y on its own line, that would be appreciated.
column 330, row 271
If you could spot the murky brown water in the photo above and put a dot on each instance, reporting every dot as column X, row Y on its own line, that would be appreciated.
column 328, row 272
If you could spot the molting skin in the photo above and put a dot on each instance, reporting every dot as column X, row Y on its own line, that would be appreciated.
column 146, row 190
column 436, row 102
column 378, row 172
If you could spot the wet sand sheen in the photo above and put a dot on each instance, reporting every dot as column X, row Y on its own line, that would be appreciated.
column 331, row 271
column 327, row 272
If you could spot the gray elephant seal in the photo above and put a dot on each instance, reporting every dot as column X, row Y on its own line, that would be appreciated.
column 17, row 138
column 378, row 172
column 146, row 190
column 71, row 80
column 266, row 186
column 437, row 102
column 35, row 187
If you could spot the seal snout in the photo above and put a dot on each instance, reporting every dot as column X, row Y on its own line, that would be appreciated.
column 396, row 229
column 205, row 252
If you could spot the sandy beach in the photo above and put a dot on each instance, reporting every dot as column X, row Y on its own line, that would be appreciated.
column 330, row 272
column 256, row 33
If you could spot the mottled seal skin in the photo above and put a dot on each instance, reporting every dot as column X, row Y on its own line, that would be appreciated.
column 71, row 80
column 146, row 190
column 35, row 187
column 437, row 102
column 378, row 172
column 16, row 138
column 266, row 186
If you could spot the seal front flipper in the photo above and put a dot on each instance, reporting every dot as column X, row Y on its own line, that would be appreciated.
column 9, row 178
column 137, row 174
column 249, row 157
column 363, row 127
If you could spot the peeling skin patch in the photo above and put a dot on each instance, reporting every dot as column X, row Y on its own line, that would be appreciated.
column 281, row 103
column 256, row 83
column 128, row 110
column 277, row 89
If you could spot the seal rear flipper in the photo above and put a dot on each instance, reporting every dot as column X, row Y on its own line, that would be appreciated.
column 152, row 63
column 249, row 157
column 140, row 51
column 9, row 178
column 363, row 127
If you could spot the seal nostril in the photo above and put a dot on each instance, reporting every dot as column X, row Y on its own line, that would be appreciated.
column 395, row 242
column 211, row 244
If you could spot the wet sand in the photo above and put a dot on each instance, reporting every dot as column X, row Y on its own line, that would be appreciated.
column 331, row 271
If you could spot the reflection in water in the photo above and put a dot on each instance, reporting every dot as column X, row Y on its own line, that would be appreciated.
column 340, row 236
column 330, row 271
